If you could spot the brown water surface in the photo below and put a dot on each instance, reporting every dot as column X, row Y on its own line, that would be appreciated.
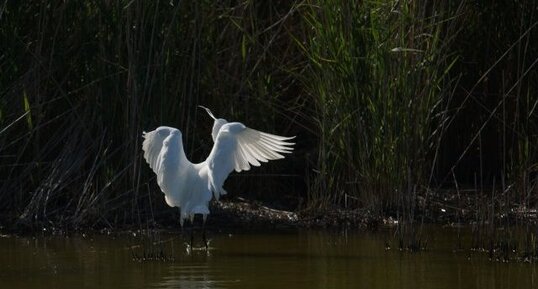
column 298, row 259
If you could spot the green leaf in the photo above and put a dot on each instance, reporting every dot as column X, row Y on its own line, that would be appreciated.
column 28, row 111
column 244, row 48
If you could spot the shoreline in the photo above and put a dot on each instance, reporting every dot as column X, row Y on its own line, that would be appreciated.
column 239, row 214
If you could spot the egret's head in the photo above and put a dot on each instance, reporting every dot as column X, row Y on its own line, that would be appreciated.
column 217, row 124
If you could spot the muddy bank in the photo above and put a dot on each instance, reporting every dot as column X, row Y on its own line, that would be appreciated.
column 228, row 215
column 239, row 214
column 443, row 208
column 249, row 215
column 252, row 215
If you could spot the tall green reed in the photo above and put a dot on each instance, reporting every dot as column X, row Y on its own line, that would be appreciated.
column 377, row 91
column 377, row 75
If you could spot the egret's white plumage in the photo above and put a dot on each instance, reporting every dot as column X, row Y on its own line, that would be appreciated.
column 191, row 186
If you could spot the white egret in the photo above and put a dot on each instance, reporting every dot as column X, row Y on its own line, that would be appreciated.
column 191, row 187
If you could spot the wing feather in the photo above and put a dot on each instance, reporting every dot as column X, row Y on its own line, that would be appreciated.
column 237, row 147
column 261, row 146
column 153, row 145
column 250, row 155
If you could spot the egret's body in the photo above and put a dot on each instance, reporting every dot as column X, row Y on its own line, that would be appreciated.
column 191, row 187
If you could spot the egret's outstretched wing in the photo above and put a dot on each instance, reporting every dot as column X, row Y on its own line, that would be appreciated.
column 238, row 147
column 153, row 144
column 163, row 150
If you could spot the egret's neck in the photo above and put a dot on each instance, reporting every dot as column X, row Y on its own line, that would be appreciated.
column 216, row 127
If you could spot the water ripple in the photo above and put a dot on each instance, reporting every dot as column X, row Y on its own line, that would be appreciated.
column 195, row 276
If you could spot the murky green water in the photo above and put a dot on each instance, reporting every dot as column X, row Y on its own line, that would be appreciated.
column 275, row 260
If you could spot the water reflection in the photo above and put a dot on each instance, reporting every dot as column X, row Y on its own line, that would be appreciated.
column 194, row 276
column 277, row 260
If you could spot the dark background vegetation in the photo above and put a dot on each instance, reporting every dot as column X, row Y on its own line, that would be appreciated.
column 394, row 103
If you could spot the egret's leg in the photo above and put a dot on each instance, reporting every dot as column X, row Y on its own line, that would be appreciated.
column 192, row 236
column 181, row 222
column 192, row 230
column 203, row 232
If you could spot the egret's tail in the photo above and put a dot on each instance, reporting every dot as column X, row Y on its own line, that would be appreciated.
column 200, row 210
